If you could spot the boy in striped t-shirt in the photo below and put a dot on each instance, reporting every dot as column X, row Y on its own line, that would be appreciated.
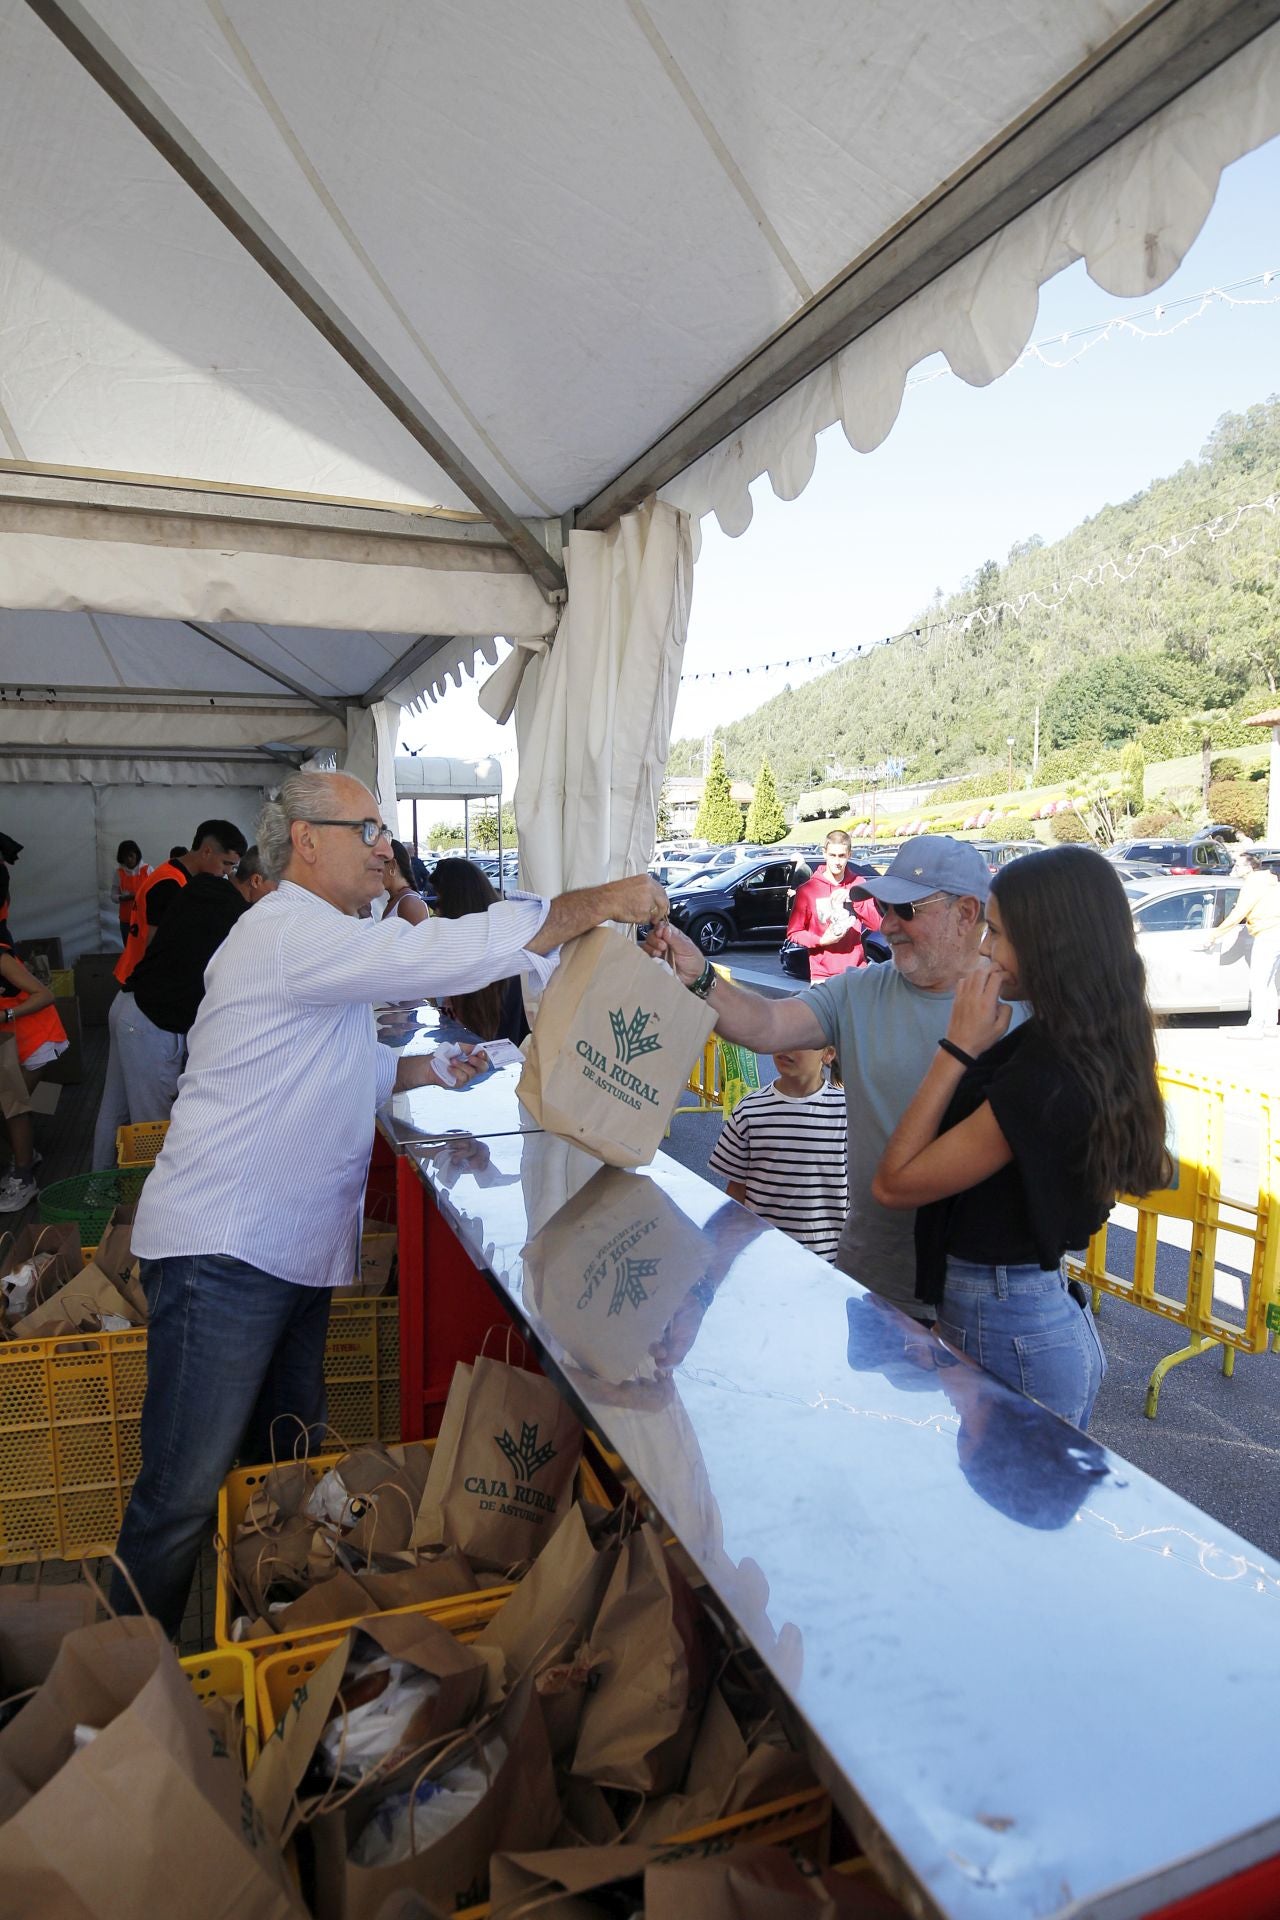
column 784, row 1151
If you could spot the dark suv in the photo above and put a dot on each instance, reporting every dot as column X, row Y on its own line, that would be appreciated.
column 749, row 902
column 1170, row 856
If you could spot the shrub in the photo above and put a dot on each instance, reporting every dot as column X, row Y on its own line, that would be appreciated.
column 1068, row 829
column 1071, row 763
column 1239, row 803
column 1133, row 772
column 1016, row 826
column 1149, row 826
column 978, row 786
column 1224, row 767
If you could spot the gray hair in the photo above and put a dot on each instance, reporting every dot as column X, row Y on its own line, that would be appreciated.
column 302, row 796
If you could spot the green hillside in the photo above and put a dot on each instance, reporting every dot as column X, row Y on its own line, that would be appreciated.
column 1190, row 632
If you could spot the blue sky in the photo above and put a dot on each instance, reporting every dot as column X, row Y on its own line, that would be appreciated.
column 966, row 471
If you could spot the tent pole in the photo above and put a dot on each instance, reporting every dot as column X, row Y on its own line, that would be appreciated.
column 466, row 829
column 502, row 884
column 416, row 854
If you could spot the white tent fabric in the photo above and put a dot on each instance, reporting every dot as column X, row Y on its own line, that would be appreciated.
column 1130, row 216
column 69, row 832
column 594, row 716
column 371, row 751
column 558, row 230
column 430, row 776
column 556, row 287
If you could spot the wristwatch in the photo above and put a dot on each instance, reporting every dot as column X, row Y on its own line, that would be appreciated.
column 704, row 982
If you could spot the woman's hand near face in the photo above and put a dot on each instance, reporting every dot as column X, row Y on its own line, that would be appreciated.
column 979, row 1017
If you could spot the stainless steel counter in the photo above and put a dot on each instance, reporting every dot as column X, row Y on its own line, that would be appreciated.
column 1036, row 1681
column 485, row 1106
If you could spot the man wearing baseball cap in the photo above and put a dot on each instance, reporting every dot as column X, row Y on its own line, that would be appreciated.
column 884, row 1022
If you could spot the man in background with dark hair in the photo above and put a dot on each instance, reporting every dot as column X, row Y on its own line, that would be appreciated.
column 187, row 909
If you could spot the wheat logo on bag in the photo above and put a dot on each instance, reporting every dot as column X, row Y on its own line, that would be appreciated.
column 612, row 1046
column 494, row 1496
column 613, row 1275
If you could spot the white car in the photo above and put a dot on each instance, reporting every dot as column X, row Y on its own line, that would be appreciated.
column 1172, row 917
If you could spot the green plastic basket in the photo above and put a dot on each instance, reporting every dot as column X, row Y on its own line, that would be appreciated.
column 90, row 1199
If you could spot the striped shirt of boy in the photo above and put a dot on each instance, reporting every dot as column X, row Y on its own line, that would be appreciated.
column 792, row 1157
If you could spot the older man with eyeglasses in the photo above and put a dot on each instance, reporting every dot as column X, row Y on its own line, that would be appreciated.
column 252, row 1214
column 884, row 1022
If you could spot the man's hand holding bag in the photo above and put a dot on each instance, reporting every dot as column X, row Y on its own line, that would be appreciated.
column 613, row 1045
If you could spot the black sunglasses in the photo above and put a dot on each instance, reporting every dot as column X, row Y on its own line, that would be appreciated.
column 910, row 908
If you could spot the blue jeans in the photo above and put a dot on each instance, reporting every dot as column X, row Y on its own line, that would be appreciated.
column 229, row 1350
column 1021, row 1324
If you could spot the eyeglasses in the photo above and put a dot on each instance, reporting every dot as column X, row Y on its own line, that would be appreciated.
column 910, row 908
column 370, row 831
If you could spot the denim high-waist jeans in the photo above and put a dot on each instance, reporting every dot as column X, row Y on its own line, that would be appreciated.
column 1021, row 1324
column 229, row 1351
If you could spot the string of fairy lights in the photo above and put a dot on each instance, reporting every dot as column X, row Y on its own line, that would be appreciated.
column 1238, row 294
column 1120, row 572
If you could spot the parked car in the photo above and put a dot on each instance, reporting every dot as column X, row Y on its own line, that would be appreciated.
column 1198, row 855
column 1171, row 917
column 724, row 907
column 998, row 853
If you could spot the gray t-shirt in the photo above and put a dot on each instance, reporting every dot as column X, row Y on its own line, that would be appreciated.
column 885, row 1033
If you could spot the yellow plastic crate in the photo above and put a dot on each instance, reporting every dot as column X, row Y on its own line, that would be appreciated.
column 139, row 1143
column 233, row 1499
column 227, row 1674
column 70, row 1410
column 790, row 1821
column 69, row 1413
column 793, row 1818
column 279, row 1676
column 362, row 1369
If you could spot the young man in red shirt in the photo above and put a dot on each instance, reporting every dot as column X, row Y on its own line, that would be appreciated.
column 831, row 913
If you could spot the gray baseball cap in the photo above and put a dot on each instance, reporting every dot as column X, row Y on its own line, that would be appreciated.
column 932, row 863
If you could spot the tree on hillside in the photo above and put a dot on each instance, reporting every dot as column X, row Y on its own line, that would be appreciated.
column 663, row 826
column 719, row 818
column 1107, row 699
column 443, row 836
column 766, row 821
column 1133, row 774
column 1202, row 617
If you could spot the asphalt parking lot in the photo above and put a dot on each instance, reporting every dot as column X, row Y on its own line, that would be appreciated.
column 1215, row 1440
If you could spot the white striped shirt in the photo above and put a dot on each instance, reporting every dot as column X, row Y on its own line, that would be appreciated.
column 791, row 1153
column 269, row 1139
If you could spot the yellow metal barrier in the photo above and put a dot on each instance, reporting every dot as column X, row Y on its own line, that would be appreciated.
column 713, row 1090
column 1196, row 1105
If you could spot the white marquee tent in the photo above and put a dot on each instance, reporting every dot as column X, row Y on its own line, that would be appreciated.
column 337, row 340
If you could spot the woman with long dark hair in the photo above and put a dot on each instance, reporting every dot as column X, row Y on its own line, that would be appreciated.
column 495, row 1012
column 1018, row 1142
column 404, row 902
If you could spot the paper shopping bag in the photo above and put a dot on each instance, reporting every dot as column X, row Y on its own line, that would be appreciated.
column 611, row 1272
column 650, row 1674
column 372, row 1849
column 542, row 1629
column 777, row 1881
column 34, row 1265
column 35, row 1618
column 504, row 1465
column 115, row 1791
column 83, row 1305
column 613, row 1045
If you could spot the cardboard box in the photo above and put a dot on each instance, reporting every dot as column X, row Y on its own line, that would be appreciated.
column 96, row 986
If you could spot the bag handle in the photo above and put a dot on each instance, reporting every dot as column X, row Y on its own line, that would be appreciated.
column 509, row 1330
